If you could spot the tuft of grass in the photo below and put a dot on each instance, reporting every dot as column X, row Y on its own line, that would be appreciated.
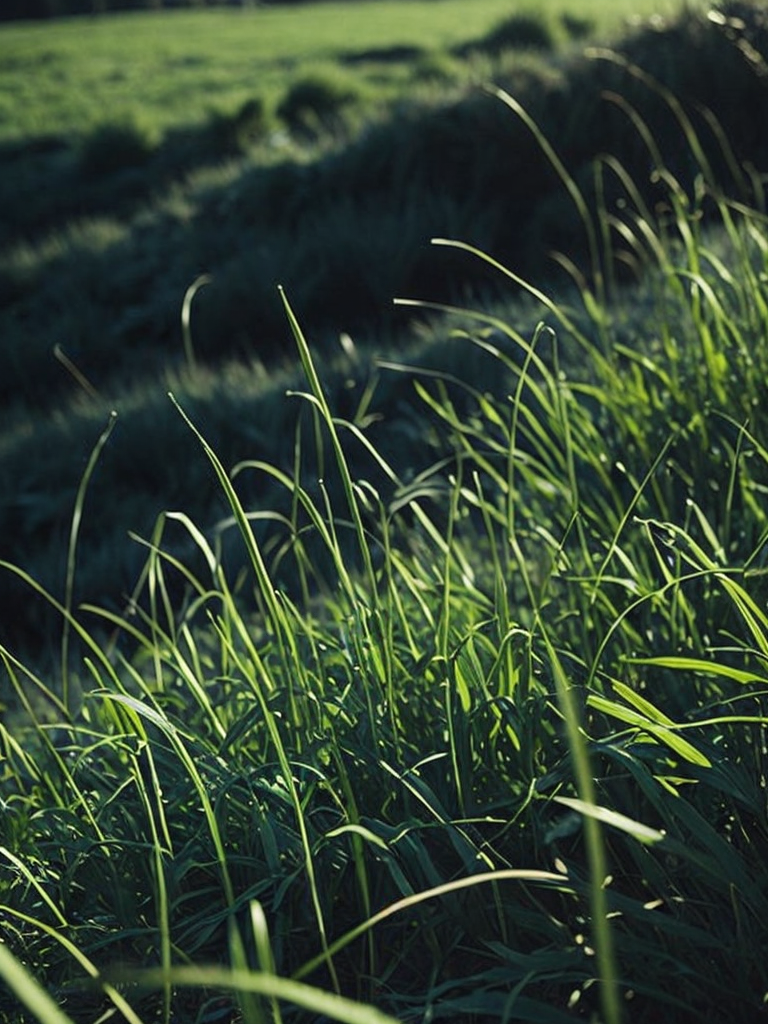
column 318, row 100
column 519, row 31
column 115, row 145
column 459, row 711
column 473, row 727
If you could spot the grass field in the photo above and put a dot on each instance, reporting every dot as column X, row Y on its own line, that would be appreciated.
column 431, row 682
column 174, row 66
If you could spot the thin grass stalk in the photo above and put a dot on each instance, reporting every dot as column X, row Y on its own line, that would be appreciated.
column 679, row 200
column 395, row 608
column 249, row 1003
column 322, row 522
column 56, row 792
column 560, row 881
column 266, row 589
column 572, row 188
column 167, row 651
column 119, row 1001
column 250, row 671
column 603, row 942
column 158, row 852
column 444, row 654
column 322, row 403
column 137, row 711
column 148, row 578
column 302, row 563
column 74, row 533
column 325, row 525
column 391, row 609
column 628, row 514
column 263, row 946
column 317, row 1001
column 186, row 318
column 596, row 856
column 158, row 592
column 28, row 990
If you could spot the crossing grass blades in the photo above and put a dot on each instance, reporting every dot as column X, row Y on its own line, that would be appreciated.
column 499, row 752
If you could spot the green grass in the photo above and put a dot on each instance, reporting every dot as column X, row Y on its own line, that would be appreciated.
column 174, row 65
column 94, row 276
column 495, row 751
column 448, row 701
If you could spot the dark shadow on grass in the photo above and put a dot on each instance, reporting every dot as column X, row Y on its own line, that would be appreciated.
column 383, row 55
column 47, row 181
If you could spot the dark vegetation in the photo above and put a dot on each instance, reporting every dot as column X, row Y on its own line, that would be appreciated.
column 533, row 527
column 34, row 9
column 343, row 233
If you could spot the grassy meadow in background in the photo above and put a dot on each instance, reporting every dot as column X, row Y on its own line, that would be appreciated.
column 430, row 684
column 329, row 181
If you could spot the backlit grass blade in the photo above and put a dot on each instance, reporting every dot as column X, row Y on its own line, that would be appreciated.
column 700, row 666
column 319, row 397
column 636, row 829
column 94, row 976
column 74, row 533
column 28, row 991
column 446, row 889
column 314, row 1000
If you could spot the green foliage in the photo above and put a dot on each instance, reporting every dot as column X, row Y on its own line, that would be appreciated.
column 435, row 66
column 472, row 725
column 234, row 134
column 343, row 234
column 442, row 693
column 520, row 31
column 577, row 27
column 317, row 101
column 115, row 145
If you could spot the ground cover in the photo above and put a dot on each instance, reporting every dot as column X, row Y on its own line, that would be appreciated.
column 498, row 756
column 171, row 66
column 342, row 220
column 459, row 713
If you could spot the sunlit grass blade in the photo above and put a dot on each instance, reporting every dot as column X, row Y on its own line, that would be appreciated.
column 28, row 991
column 315, row 1000
column 74, row 532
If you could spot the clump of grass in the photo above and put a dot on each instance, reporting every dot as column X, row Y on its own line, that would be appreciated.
column 230, row 134
column 119, row 143
column 496, row 750
column 520, row 31
column 436, row 66
column 474, row 727
column 318, row 100
column 454, row 164
column 577, row 27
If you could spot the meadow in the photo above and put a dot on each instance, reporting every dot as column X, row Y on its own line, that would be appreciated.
column 330, row 186
column 434, row 684
column 171, row 67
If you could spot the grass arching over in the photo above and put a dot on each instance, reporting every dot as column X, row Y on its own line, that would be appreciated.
column 371, row 786
column 343, row 225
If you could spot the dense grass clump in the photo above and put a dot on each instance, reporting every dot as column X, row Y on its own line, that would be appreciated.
column 316, row 101
column 520, row 31
column 343, row 223
column 114, row 145
column 440, row 691
column 473, row 726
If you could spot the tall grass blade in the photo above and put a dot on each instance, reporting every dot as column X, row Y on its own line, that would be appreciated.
column 28, row 991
